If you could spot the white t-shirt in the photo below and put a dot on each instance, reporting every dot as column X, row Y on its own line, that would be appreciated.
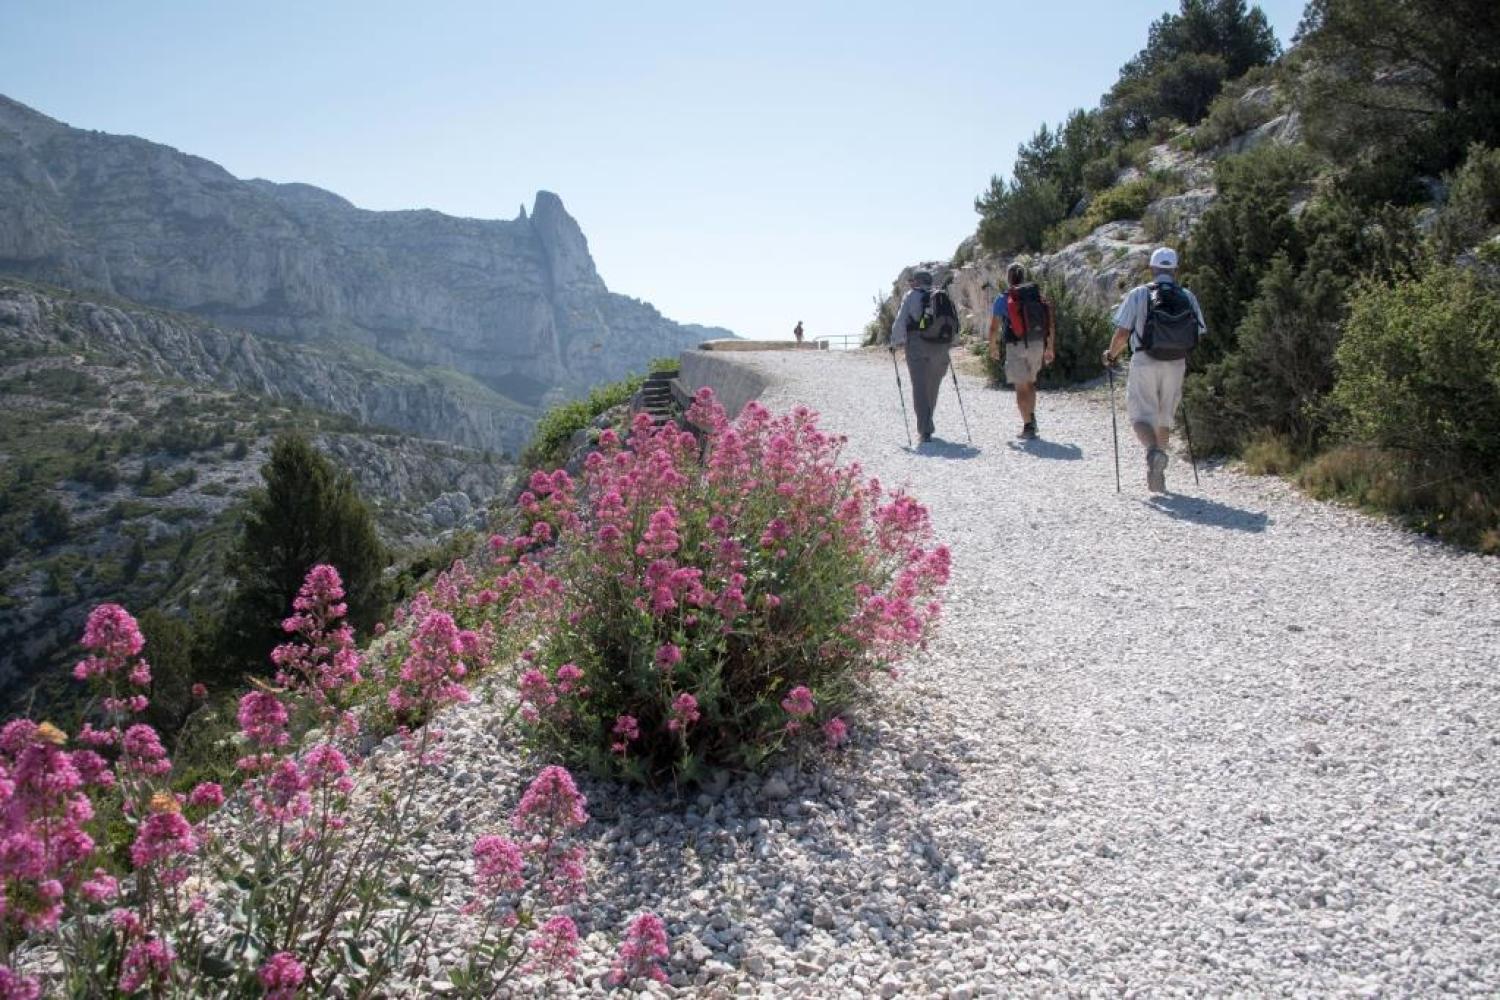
column 1131, row 312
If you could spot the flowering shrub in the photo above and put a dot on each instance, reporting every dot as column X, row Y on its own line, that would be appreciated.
column 295, row 892
column 706, row 603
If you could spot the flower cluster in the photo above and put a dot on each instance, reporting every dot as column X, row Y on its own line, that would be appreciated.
column 642, row 951
column 685, row 574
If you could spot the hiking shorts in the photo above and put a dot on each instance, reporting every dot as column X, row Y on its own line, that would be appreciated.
column 1023, row 361
column 1154, row 390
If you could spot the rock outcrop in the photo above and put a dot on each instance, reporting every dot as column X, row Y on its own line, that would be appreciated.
column 517, row 306
column 1101, row 266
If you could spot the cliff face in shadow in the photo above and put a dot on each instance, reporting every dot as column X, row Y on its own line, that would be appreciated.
column 517, row 306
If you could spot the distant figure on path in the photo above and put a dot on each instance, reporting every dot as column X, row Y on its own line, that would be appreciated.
column 926, row 360
column 797, row 331
column 1025, row 316
column 1162, row 322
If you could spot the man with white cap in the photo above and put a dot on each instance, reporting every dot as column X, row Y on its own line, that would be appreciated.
column 1162, row 323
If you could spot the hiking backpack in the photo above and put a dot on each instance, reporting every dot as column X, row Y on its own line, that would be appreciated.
column 1171, row 330
column 938, row 322
column 1026, row 313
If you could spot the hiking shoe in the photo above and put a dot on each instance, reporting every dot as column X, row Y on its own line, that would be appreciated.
column 1156, row 470
column 926, row 438
column 1028, row 429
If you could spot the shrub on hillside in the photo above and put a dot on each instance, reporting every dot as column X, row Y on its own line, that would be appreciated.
column 712, row 603
column 549, row 442
column 1419, row 370
column 1473, row 208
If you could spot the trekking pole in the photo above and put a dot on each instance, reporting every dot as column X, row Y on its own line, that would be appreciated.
column 1187, row 432
column 901, row 395
column 954, row 372
column 1113, row 424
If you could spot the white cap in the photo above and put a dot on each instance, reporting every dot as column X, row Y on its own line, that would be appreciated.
column 1163, row 259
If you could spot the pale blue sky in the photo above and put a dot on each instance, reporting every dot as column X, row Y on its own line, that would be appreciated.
column 745, row 167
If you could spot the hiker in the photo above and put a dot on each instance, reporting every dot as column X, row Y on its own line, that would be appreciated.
column 797, row 331
column 1162, row 323
column 1026, row 318
column 926, row 336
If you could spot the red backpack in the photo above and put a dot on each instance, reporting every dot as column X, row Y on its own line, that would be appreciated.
column 1026, row 313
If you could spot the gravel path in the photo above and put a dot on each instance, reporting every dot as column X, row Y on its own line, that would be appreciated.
column 1230, row 741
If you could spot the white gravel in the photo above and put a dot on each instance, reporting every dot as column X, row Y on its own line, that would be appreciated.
column 1230, row 742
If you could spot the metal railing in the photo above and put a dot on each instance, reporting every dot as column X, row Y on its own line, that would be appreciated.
column 840, row 342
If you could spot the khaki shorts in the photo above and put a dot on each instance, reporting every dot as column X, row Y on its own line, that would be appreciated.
column 1023, row 361
column 1154, row 390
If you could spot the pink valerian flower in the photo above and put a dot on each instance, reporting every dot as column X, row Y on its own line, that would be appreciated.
column 281, row 794
column 668, row 656
column 642, row 951
column 568, row 676
column 113, row 637
column 281, row 976
column 497, row 866
column 554, row 948
column 147, row 963
column 431, row 674
column 163, row 836
column 322, row 659
column 263, row 719
column 835, row 731
column 799, row 702
column 628, row 729
column 14, row 986
column 326, row 767
column 207, row 794
column 142, row 752
column 102, row 887
column 551, row 805
column 200, row 692
column 684, row 713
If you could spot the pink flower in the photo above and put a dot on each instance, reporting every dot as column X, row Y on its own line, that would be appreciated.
column 142, row 752
column 684, row 712
column 163, row 836
column 281, row 976
column 554, row 948
column 628, row 729
column 148, row 962
column 835, row 731
column 14, row 986
column 642, row 951
column 200, row 692
column 263, row 718
column 430, row 675
column 799, row 702
column 668, row 656
column 551, row 804
column 497, row 865
column 206, row 793
column 101, row 888
column 112, row 632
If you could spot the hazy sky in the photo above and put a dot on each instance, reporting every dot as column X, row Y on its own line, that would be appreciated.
column 734, row 165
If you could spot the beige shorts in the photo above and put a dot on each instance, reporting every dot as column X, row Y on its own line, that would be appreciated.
column 1153, row 390
column 1023, row 362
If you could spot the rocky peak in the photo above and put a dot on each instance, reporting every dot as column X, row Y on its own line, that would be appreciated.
column 565, row 246
column 17, row 118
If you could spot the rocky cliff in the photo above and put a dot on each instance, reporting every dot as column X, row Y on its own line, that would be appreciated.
column 516, row 306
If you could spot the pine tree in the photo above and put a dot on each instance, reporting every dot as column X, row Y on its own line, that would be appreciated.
column 307, row 513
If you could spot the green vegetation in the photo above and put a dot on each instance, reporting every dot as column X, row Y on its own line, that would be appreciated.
column 307, row 513
column 1171, row 82
column 549, row 442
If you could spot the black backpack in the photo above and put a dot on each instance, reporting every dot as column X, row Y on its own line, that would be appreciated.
column 1171, row 330
column 938, row 322
column 1025, row 313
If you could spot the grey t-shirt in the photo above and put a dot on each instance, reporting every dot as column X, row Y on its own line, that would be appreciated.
column 911, row 310
column 1131, row 312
